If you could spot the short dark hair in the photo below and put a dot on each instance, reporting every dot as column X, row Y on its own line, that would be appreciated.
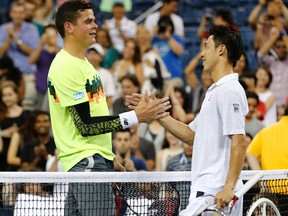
column 132, row 78
column 164, row 21
column 69, row 12
column 169, row 1
column 251, row 94
column 118, row 4
column 227, row 36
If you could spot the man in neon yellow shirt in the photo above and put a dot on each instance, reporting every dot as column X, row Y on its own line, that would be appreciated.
column 79, row 114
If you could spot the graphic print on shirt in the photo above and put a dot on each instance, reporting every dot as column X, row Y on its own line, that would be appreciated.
column 94, row 90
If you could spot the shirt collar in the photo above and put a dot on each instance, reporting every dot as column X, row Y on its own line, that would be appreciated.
column 232, row 76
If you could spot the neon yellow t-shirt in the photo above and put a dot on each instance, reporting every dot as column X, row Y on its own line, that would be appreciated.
column 72, row 81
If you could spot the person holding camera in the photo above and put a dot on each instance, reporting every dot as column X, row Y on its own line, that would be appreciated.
column 170, row 46
column 276, row 15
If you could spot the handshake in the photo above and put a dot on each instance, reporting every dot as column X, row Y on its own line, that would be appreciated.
column 148, row 108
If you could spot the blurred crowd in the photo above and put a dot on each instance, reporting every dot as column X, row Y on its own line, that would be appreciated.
column 131, row 58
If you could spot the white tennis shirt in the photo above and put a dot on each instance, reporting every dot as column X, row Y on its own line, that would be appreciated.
column 222, row 114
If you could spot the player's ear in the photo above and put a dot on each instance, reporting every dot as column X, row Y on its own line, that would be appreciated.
column 68, row 27
column 221, row 49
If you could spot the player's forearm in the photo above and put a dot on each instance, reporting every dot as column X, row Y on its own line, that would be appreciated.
column 237, row 156
column 178, row 129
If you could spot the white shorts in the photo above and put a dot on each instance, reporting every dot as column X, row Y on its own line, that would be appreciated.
column 198, row 204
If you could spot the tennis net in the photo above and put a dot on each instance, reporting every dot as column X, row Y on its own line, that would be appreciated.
column 130, row 193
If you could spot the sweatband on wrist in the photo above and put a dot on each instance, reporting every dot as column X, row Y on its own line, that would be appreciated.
column 128, row 119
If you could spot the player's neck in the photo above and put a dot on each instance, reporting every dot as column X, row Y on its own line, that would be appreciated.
column 77, row 51
column 220, row 71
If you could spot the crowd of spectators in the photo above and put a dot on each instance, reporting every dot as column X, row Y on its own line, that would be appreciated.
column 130, row 57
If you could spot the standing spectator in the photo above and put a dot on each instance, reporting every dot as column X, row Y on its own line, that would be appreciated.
column 263, row 81
column 275, row 15
column 30, row 10
column 95, row 54
column 123, row 143
column 44, row 11
column 273, row 54
column 42, row 57
column 12, row 117
column 111, row 54
column 18, row 39
column 8, row 72
column 169, row 8
column 40, row 146
column 129, row 64
column 268, row 150
column 154, row 69
column 170, row 46
column 120, row 27
column 252, row 124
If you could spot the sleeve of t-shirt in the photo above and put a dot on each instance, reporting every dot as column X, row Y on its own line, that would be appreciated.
column 3, row 34
column 70, row 86
column 232, row 113
column 255, row 146
column 193, row 124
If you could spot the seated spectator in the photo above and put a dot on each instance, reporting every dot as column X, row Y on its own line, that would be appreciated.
column 41, row 145
column 242, row 65
column 273, row 54
column 171, row 147
column 42, row 57
column 111, row 54
column 143, row 148
column 107, row 5
column 12, row 117
column 129, row 85
column 252, row 124
column 122, row 144
column 95, row 54
column 169, row 8
column 120, row 28
column 170, row 46
column 275, row 15
column 264, row 79
column 9, row 72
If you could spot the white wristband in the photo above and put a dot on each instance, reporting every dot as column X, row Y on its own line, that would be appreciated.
column 128, row 119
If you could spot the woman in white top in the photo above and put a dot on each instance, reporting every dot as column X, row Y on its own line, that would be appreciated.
column 264, row 79
column 171, row 147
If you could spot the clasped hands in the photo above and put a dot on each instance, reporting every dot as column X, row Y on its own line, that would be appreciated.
column 147, row 107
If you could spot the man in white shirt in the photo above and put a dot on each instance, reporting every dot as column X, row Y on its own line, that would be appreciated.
column 169, row 8
column 120, row 27
column 218, row 132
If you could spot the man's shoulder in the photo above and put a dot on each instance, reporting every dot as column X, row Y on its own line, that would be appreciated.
column 153, row 16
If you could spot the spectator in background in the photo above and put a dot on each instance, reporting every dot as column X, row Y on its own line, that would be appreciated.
column 242, row 65
column 273, row 54
column 252, row 124
column 42, row 57
column 107, row 5
column 8, row 72
column 95, row 54
column 219, row 17
column 198, row 87
column 18, row 39
column 170, row 46
column 154, row 69
column 129, row 64
column 44, row 12
column 129, row 85
column 143, row 148
column 181, row 109
column 122, row 143
column 30, row 10
column 169, row 8
column 111, row 54
column 120, row 27
column 264, row 79
column 276, row 15
column 171, row 147
column 40, row 146
column 12, row 117
column 268, row 150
